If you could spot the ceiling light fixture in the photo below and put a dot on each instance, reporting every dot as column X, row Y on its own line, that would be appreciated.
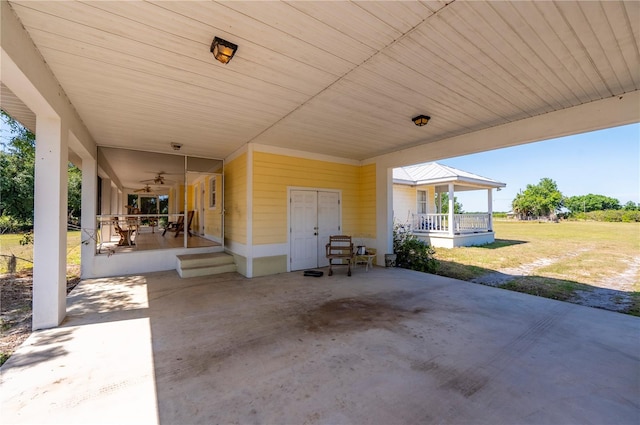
column 420, row 120
column 223, row 50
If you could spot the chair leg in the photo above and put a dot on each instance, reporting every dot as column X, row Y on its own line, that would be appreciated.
column 330, row 270
column 349, row 270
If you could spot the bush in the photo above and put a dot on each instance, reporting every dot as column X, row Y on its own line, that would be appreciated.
column 612, row 216
column 9, row 224
column 411, row 252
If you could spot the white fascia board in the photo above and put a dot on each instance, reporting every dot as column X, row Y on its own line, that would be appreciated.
column 406, row 182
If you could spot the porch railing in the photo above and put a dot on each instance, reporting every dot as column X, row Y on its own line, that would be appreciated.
column 462, row 223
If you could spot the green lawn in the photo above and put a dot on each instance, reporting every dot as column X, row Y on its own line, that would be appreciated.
column 10, row 244
column 581, row 254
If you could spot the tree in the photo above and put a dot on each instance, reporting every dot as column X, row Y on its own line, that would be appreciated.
column 591, row 202
column 17, row 164
column 631, row 206
column 538, row 200
column 17, row 167
column 74, row 193
column 457, row 206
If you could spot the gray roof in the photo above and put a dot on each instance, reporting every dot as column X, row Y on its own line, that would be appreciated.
column 433, row 173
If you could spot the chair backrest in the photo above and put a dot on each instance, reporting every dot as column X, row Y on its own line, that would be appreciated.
column 116, row 224
column 340, row 245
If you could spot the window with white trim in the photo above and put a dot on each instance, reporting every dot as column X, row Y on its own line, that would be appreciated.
column 212, row 192
column 422, row 201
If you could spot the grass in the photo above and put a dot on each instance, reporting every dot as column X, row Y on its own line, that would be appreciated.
column 10, row 244
column 581, row 255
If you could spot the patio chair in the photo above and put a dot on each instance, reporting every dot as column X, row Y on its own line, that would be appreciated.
column 125, row 234
column 178, row 225
column 340, row 247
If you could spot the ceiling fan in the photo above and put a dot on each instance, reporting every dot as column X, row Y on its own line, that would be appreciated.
column 158, row 179
column 145, row 189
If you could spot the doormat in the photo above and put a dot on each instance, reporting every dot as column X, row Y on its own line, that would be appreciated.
column 313, row 273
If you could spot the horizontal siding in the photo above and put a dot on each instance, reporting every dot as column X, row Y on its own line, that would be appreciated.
column 367, row 223
column 235, row 193
column 404, row 202
column 273, row 174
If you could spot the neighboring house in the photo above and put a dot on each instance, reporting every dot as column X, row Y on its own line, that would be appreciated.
column 417, row 204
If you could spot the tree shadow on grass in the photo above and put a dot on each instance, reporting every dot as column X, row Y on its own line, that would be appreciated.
column 501, row 243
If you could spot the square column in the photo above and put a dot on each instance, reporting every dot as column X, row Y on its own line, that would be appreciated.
column 384, row 212
column 50, row 224
column 89, row 225
column 451, row 207
column 490, row 208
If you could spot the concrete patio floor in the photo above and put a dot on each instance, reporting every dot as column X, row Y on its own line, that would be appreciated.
column 388, row 346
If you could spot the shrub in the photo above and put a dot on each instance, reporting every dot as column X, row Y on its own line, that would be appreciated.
column 612, row 216
column 9, row 224
column 411, row 252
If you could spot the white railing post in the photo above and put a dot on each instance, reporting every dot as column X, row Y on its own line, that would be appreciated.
column 451, row 207
column 490, row 209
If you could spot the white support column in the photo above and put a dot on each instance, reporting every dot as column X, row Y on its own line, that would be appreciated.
column 384, row 212
column 115, row 202
column 451, row 207
column 490, row 208
column 88, row 219
column 105, row 206
column 50, row 224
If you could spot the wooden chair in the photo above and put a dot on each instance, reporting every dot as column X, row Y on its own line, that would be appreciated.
column 178, row 226
column 125, row 235
column 340, row 248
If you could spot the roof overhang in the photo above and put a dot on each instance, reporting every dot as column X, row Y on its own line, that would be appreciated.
column 339, row 79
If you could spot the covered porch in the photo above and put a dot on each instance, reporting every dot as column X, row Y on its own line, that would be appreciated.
column 382, row 346
column 426, row 191
column 87, row 76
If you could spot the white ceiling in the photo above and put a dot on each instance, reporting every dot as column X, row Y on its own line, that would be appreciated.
column 338, row 78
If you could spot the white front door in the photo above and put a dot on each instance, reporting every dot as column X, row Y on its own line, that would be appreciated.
column 315, row 215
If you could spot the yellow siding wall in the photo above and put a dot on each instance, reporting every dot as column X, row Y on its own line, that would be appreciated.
column 235, row 193
column 273, row 174
column 176, row 199
column 367, row 214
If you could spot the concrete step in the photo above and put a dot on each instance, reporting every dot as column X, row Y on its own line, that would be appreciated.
column 206, row 259
column 192, row 265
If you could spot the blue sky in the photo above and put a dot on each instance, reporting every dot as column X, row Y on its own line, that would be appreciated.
column 604, row 162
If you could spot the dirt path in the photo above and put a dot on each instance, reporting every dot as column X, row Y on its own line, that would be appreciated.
column 501, row 277
column 613, row 293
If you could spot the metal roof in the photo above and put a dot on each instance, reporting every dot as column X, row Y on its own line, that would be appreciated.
column 438, row 174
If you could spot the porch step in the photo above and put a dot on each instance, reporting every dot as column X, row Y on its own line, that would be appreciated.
column 192, row 265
